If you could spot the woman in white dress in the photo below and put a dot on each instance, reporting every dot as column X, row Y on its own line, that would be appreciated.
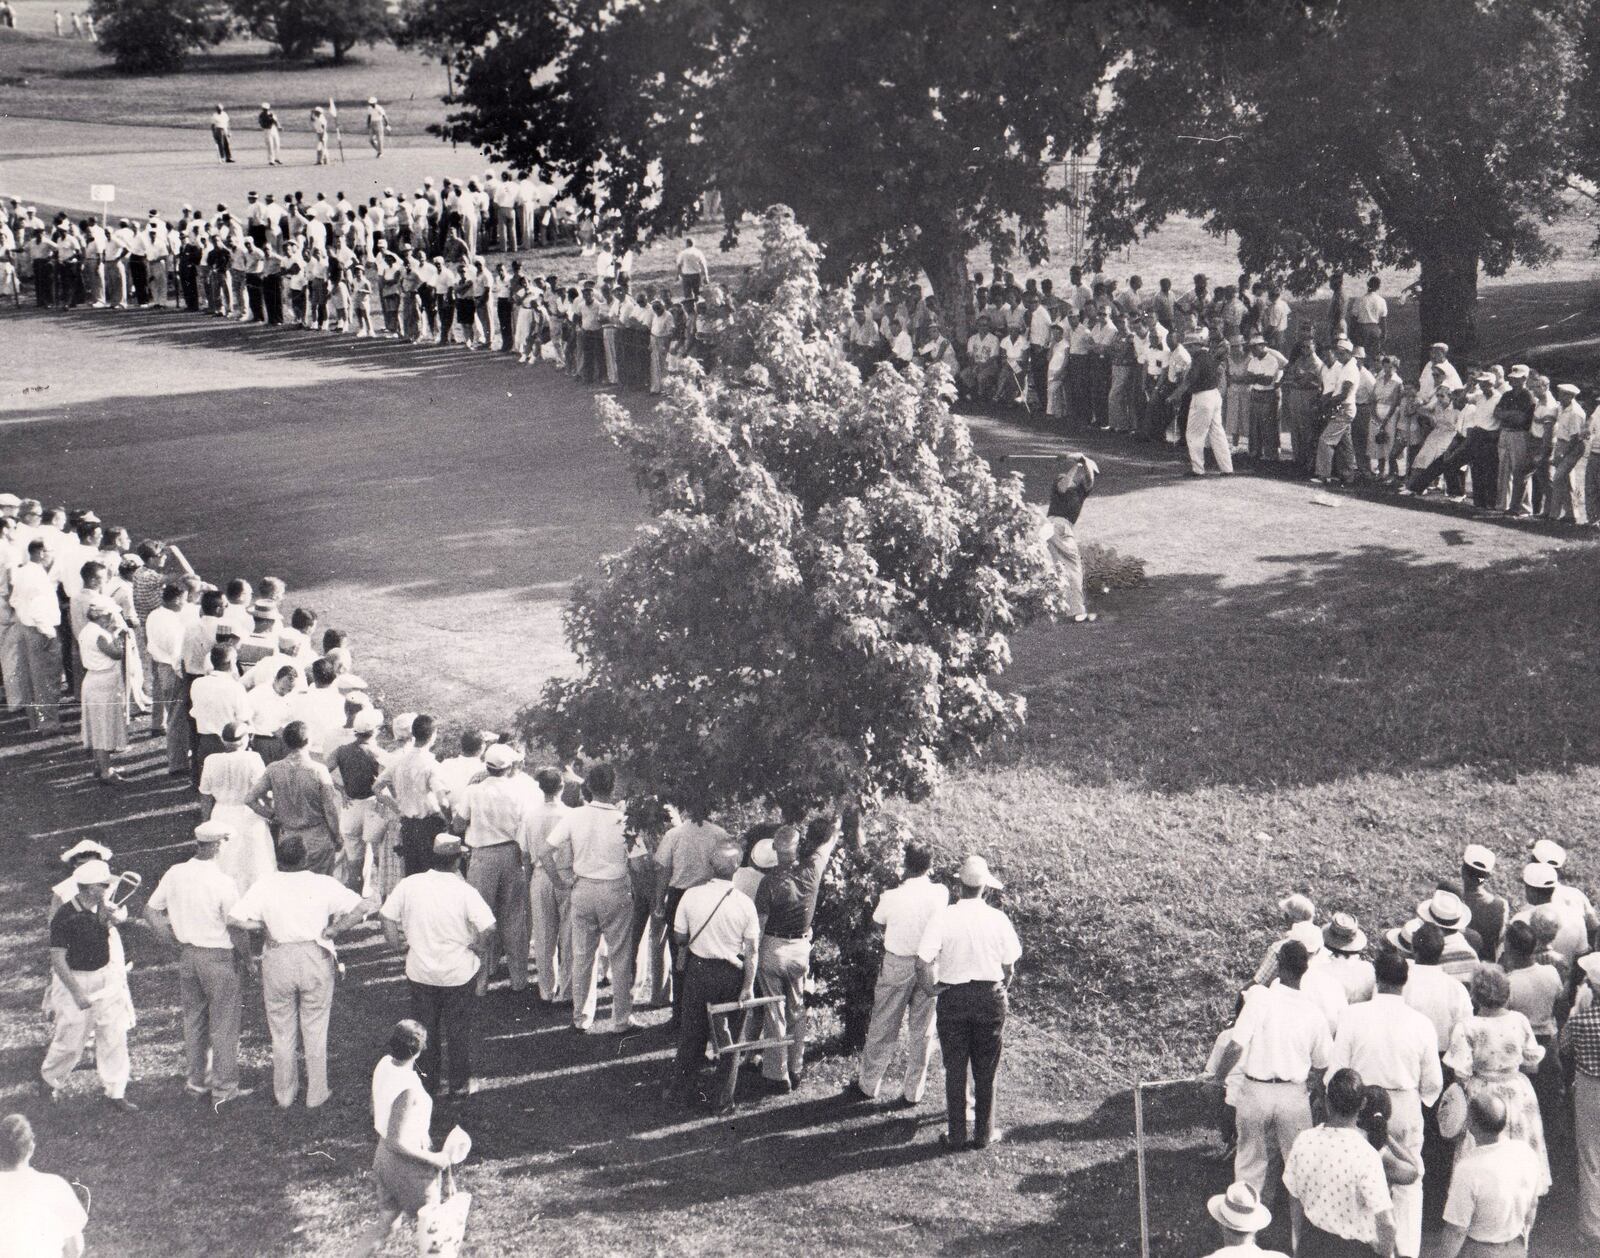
column 226, row 780
column 406, row 1168
column 103, row 698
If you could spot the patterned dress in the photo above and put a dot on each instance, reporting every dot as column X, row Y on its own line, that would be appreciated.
column 1488, row 1052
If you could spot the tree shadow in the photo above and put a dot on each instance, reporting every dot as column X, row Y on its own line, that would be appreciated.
column 1381, row 659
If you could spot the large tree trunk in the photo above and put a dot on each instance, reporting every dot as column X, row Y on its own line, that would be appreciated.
column 1449, row 302
column 1336, row 306
column 945, row 262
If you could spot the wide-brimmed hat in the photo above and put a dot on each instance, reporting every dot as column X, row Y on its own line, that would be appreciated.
column 1344, row 934
column 1239, row 1209
column 1401, row 936
column 1445, row 910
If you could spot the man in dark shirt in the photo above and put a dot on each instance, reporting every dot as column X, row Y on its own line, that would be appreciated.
column 1204, row 426
column 356, row 766
column 1514, row 411
column 786, row 903
column 87, row 992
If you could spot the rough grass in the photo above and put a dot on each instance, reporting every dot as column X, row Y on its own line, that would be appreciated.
column 72, row 80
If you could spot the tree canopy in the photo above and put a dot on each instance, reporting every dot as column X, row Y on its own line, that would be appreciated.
column 1339, row 138
column 820, row 607
column 154, row 36
column 300, row 27
column 900, row 134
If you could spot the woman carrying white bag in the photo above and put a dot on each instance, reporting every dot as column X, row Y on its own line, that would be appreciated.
column 410, row 1174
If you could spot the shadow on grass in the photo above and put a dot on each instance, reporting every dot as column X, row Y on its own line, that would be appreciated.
column 1383, row 659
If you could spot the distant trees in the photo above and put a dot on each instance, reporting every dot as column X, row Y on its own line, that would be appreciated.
column 300, row 27
column 1334, row 139
column 903, row 135
column 154, row 36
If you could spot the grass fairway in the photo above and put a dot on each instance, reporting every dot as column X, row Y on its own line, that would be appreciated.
column 1335, row 698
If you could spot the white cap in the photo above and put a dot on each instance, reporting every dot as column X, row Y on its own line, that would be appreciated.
column 1478, row 857
column 1539, row 876
column 1549, row 852
column 764, row 855
column 1308, row 935
column 975, row 873
column 87, row 847
column 368, row 721
column 91, row 873
column 212, row 832
column 402, row 724
column 500, row 756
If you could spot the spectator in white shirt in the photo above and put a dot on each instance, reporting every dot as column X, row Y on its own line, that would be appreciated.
column 215, row 701
column 602, row 900
column 163, row 634
column 189, row 912
column 904, row 913
column 446, row 929
column 716, row 933
column 38, row 613
column 1282, row 1040
column 549, row 892
column 966, row 958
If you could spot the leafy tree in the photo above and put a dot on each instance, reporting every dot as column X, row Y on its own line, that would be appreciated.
column 154, row 36
column 300, row 27
column 821, row 604
column 1340, row 138
column 901, row 134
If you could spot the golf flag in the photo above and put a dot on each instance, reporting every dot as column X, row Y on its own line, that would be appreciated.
column 333, row 110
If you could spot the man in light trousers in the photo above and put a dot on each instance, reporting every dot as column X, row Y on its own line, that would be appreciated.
column 189, row 911
column 903, row 912
column 300, row 913
column 602, row 900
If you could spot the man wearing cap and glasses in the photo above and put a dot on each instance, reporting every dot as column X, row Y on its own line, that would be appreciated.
column 967, row 957
column 90, row 993
column 1394, row 1047
column 189, row 912
column 1239, row 1214
column 447, row 931
column 1282, row 1039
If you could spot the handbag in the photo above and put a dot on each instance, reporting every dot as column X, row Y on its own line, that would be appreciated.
column 441, row 1228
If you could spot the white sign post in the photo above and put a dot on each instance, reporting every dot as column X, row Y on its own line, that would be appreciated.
column 103, row 194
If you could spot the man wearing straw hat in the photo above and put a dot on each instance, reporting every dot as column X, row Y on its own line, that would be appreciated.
column 189, row 911
column 1490, row 913
column 1445, row 910
column 91, row 994
column 967, row 957
column 1239, row 1214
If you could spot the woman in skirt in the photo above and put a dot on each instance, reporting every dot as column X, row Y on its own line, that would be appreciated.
column 406, row 1168
column 103, row 699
